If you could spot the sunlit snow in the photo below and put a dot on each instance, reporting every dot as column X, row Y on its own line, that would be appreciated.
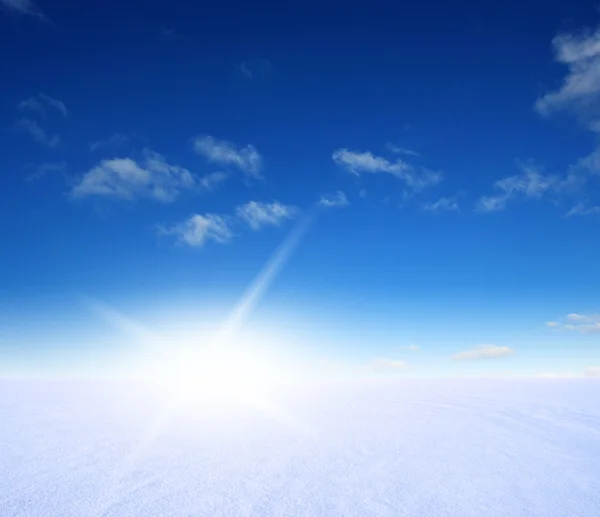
column 371, row 447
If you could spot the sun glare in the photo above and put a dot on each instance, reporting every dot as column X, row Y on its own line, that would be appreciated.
column 216, row 376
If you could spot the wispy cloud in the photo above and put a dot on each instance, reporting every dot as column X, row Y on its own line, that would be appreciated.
column 256, row 214
column 582, row 323
column 226, row 153
column 212, row 180
column 484, row 352
column 36, row 132
column 393, row 148
column 413, row 348
column 529, row 183
column 580, row 90
column 339, row 199
column 254, row 69
column 582, row 208
column 357, row 163
column 385, row 365
column 23, row 7
column 196, row 230
column 124, row 178
column 41, row 170
column 443, row 204
column 42, row 101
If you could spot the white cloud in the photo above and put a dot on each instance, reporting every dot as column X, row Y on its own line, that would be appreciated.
column 580, row 90
column 557, row 375
column 22, row 7
column 444, row 204
column 592, row 371
column 41, row 101
column 339, row 199
column 401, row 150
column 37, row 133
column 413, row 348
column 384, row 365
column 529, row 183
column 583, row 208
column 484, row 352
column 213, row 180
column 126, row 179
column 582, row 323
column 226, row 153
column 198, row 229
column 365, row 162
column 256, row 214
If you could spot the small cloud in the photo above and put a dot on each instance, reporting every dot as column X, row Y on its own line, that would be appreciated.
column 37, row 133
column 413, row 348
column 529, row 183
column 226, row 153
column 254, row 69
column 339, row 199
column 592, row 371
column 582, row 208
column 443, row 204
column 256, row 214
column 41, row 170
column 125, row 178
column 557, row 375
column 384, row 365
column 401, row 150
column 198, row 229
column 582, row 323
column 362, row 193
column 484, row 352
column 22, row 7
column 40, row 102
column 357, row 163
column 213, row 180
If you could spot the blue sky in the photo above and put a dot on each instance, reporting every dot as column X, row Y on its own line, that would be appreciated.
column 436, row 166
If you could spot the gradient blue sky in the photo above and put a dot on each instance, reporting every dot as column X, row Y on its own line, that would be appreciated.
column 155, row 155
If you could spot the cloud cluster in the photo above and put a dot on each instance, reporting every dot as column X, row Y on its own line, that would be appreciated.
column 125, row 178
column 197, row 229
column 484, row 352
column 580, row 90
column 582, row 323
column 357, row 163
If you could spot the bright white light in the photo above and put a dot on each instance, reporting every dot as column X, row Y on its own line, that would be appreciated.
column 216, row 377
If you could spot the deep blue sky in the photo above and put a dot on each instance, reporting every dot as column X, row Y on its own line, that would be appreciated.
column 403, row 116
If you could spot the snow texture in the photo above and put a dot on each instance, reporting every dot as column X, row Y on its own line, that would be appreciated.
column 388, row 447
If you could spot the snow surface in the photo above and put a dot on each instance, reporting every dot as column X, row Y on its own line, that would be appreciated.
column 404, row 447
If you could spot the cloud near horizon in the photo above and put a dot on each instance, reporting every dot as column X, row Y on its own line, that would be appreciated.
column 484, row 352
